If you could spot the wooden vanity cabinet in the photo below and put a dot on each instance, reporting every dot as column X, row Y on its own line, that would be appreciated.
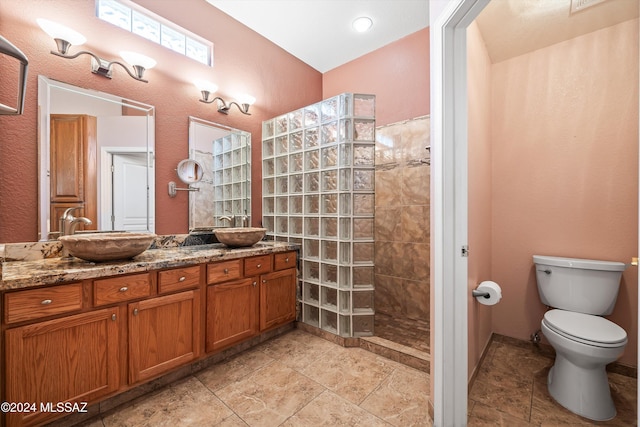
column 240, row 308
column 164, row 330
column 84, row 341
column 232, row 313
column 73, row 358
column 232, row 305
column 164, row 333
column 278, row 292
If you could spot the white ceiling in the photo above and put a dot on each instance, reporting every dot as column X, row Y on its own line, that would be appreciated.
column 514, row 27
column 319, row 32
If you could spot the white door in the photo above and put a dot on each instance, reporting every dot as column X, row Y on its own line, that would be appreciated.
column 129, row 192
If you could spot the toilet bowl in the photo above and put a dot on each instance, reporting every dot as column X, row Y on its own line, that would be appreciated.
column 584, row 345
column 578, row 292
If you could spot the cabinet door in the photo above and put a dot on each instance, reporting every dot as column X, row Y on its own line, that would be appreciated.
column 277, row 298
column 163, row 334
column 232, row 313
column 73, row 165
column 73, row 359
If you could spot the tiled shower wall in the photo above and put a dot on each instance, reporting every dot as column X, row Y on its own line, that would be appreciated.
column 402, row 219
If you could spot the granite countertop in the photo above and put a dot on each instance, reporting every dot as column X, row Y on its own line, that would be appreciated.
column 26, row 274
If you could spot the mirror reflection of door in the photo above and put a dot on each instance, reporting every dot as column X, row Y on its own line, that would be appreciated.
column 129, row 191
column 73, row 170
column 73, row 167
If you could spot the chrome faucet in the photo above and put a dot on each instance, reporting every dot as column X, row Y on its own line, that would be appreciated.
column 231, row 219
column 68, row 222
column 236, row 220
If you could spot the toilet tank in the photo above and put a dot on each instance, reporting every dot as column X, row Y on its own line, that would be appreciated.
column 580, row 285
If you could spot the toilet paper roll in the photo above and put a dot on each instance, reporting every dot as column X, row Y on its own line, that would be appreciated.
column 494, row 291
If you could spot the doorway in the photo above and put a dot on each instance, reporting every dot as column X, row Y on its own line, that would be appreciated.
column 125, row 194
column 449, row 121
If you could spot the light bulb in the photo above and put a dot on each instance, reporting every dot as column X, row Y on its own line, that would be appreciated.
column 138, row 59
column 362, row 24
column 205, row 85
column 59, row 31
column 246, row 99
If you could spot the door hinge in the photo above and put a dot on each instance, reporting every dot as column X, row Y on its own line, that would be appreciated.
column 465, row 251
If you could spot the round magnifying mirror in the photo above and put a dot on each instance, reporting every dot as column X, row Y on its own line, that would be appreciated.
column 190, row 171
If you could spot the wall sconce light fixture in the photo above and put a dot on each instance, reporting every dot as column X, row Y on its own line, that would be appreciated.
column 65, row 37
column 207, row 88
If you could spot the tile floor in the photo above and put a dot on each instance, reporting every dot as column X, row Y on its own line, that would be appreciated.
column 296, row 379
column 511, row 390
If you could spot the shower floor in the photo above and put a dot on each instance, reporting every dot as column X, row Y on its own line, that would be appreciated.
column 401, row 330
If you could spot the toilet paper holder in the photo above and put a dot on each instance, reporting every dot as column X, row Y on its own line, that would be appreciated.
column 476, row 293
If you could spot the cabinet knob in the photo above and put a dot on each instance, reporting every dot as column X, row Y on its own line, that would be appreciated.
column 46, row 301
column 124, row 289
column 259, row 266
column 226, row 271
column 255, row 283
column 286, row 259
column 182, row 279
column 264, row 280
column 135, row 311
column 113, row 317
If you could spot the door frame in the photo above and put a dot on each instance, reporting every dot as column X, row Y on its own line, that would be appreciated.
column 449, row 208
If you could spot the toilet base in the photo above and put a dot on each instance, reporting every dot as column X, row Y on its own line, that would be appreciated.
column 583, row 391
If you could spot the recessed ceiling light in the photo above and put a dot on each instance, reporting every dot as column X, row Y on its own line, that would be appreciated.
column 362, row 24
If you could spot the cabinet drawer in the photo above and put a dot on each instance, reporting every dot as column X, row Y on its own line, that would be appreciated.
column 257, row 265
column 178, row 279
column 118, row 289
column 284, row 261
column 223, row 271
column 35, row 303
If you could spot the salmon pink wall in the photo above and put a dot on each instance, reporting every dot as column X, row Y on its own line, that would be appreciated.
column 565, row 169
column 398, row 74
column 479, row 178
column 243, row 62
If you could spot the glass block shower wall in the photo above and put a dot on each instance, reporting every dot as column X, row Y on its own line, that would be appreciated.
column 231, row 177
column 318, row 191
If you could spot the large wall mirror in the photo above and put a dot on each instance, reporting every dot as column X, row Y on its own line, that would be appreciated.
column 225, row 188
column 96, row 154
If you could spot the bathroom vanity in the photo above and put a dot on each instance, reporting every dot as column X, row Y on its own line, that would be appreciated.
column 81, row 332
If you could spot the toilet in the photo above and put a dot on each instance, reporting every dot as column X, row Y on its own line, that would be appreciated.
column 579, row 291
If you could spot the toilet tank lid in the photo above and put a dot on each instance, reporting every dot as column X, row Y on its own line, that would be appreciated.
column 587, row 264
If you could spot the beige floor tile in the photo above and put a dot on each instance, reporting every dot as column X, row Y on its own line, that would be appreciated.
column 330, row 410
column 482, row 416
column 352, row 373
column 270, row 395
column 232, row 421
column 184, row 403
column 297, row 349
column 401, row 399
column 509, row 394
column 508, row 361
column 237, row 367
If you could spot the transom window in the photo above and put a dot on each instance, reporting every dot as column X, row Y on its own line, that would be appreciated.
column 133, row 18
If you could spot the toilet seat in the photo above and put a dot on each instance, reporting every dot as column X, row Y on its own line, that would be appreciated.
column 585, row 328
